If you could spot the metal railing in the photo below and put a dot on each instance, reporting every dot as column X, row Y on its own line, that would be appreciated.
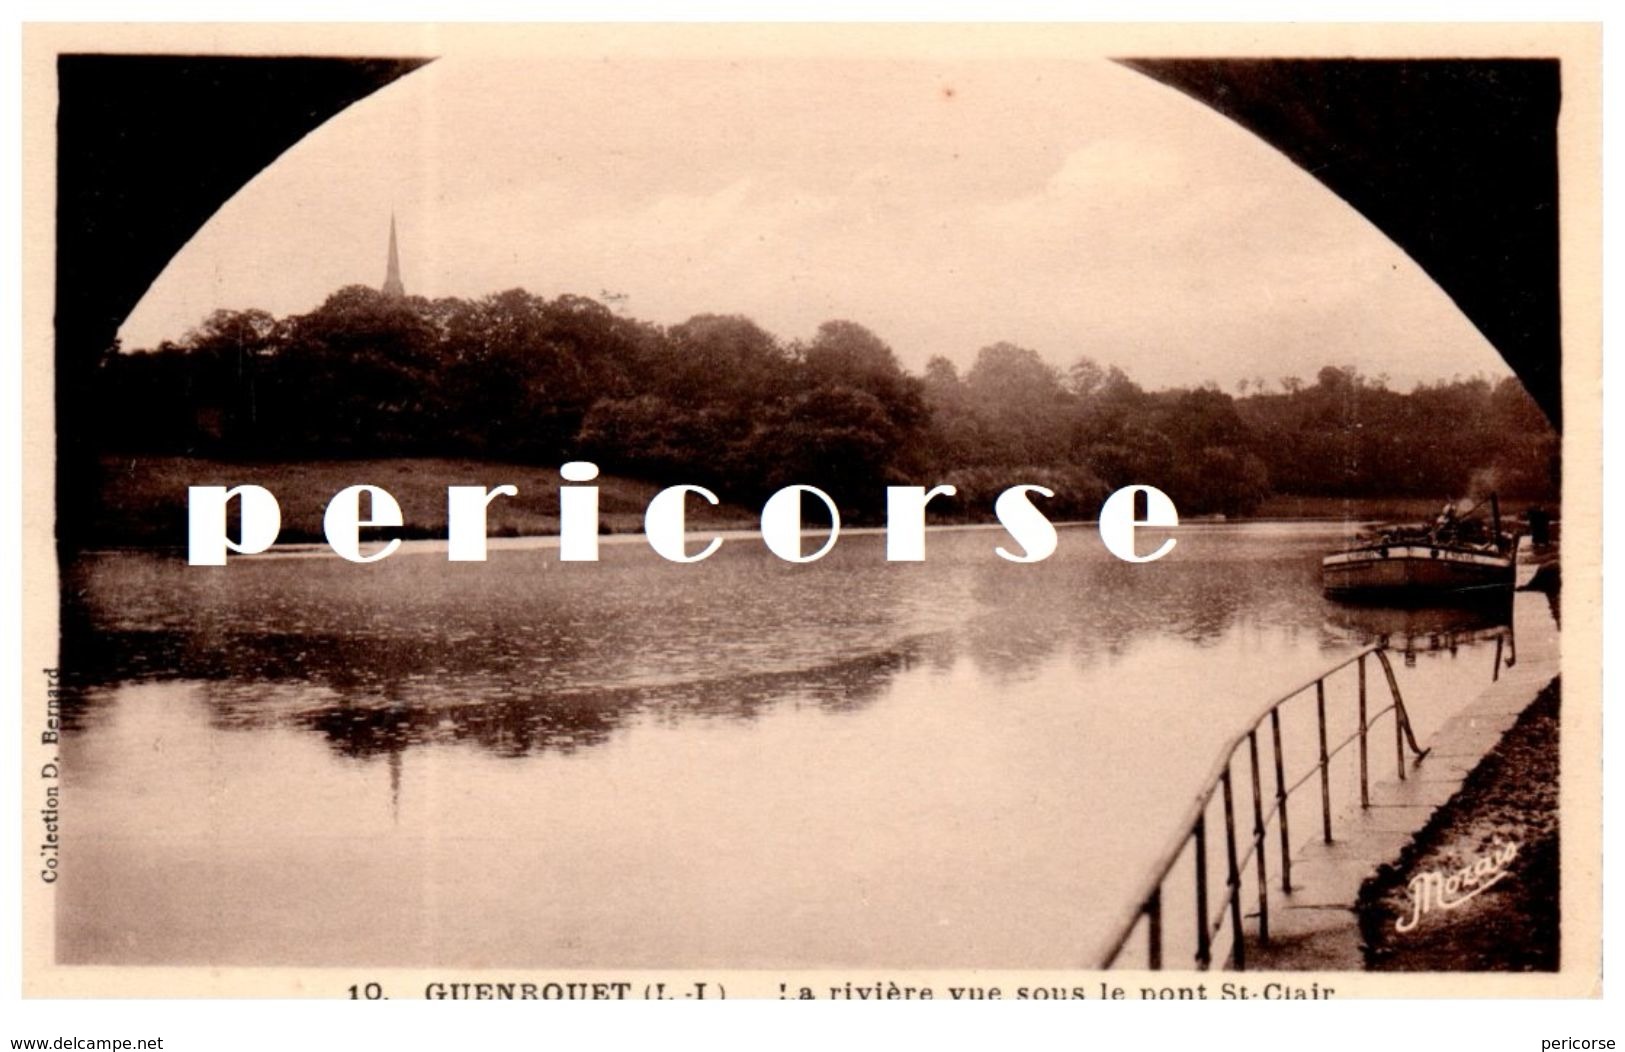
column 1193, row 828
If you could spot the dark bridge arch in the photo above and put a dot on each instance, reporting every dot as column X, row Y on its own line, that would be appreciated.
column 1454, row 159
column 148, row 148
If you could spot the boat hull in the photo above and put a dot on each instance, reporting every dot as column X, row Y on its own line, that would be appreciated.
column 1399, row 571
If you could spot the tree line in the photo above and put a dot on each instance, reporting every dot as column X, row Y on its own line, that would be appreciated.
column 718, row 400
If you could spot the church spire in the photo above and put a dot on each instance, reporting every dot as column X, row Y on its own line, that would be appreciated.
column 392, row 276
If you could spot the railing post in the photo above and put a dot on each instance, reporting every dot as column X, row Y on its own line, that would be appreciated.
column 1365, row 778
column 1325, row 772
column 1238, row 955
column 1401, row 721
column 1153, row 923
column 1150, row 908
column 1399, row 742
column 1204, row 952
column 1399, row 737
column 1258, row 840
column 1280, row 802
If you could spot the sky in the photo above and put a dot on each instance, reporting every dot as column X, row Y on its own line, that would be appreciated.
column 1072, row 207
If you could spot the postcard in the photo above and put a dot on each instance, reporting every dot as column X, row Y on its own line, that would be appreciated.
column 812, row 512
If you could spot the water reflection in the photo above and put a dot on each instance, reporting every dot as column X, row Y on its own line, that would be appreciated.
column 523, row 725
column 521, row 655
column 1414, row 630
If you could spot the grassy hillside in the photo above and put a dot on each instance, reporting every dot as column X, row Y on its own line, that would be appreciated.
column 144, row 497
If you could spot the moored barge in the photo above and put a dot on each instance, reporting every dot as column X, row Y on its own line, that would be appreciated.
column 1453, row 556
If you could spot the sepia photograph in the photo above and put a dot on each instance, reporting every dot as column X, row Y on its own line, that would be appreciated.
column 835, row 513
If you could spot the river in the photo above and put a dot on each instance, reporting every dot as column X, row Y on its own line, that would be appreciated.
column 741, row 763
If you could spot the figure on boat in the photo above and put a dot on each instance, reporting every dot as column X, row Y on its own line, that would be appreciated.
column 1465, row 555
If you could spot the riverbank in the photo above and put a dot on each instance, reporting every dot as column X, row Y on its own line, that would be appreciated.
column 1366, row 509
column 1350, row 895
column 1510, row 798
